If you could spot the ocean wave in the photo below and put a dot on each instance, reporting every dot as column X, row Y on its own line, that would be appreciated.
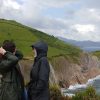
column 80, row 87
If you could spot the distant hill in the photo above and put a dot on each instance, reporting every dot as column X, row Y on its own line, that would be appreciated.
column 85, row 45
column 24, row 36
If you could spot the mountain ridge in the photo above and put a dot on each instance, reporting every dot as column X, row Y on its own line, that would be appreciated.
column 85, row 45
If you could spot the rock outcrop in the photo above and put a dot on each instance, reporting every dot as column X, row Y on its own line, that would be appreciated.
column 69, row 73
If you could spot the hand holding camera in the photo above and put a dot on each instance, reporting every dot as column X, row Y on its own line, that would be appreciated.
column 2, row 51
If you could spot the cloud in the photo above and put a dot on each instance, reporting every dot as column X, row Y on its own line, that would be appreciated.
column 80, row 19
column 91, row 3
column 55, row 3
column 84, row 29
column 9, row 8
column 11, row 4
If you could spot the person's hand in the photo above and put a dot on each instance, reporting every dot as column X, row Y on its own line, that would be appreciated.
column 2, row 51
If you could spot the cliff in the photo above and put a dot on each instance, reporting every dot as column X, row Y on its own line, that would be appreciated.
column 65, row 71
column 68, row 72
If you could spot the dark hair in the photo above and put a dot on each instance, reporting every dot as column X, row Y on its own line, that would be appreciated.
column 9, row 45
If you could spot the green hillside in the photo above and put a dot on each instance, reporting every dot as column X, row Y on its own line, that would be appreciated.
column 24, row 36
column 97, row 53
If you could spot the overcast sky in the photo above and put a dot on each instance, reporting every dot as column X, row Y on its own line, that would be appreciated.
column 72, row 19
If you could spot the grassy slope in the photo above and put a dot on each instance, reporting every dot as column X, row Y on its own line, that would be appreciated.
column 24, row 36
column 97, row 53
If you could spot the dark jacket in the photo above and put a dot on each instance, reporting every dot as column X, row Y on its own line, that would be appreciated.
column 12, row 83
column 39, row 84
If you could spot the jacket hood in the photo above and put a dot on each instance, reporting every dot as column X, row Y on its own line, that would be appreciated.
column 40, row 46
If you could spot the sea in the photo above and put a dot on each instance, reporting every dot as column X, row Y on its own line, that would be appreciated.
column 95, row 82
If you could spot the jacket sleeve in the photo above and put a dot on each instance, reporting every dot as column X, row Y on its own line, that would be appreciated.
column 8, row 62
column 43, row 76
column 19, row 55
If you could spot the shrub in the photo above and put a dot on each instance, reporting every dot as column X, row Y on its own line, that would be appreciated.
column 55, row 93
column 89, row 94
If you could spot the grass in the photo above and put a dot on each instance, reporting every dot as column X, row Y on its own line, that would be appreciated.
column 88, row 94
column 97, row 53
column 24, row 36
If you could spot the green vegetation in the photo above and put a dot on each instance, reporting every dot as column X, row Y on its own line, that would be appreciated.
column 55, row 93
column 88, row 94
column 24, row 36
column 97, row 53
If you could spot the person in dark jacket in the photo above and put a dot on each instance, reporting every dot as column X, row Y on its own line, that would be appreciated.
column 12, row 82
column 38, row 87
